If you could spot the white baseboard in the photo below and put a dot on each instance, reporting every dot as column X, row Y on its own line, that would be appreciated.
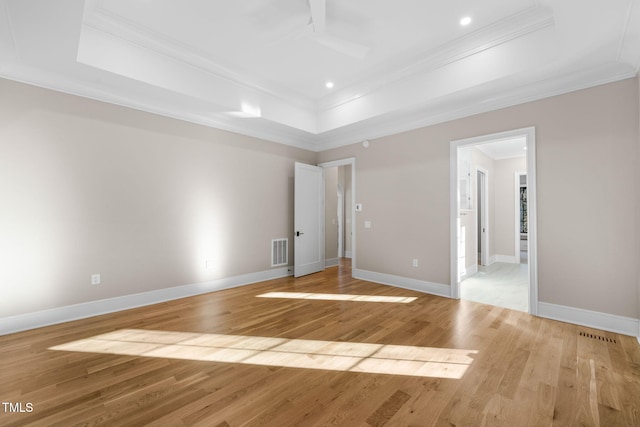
column 68, row 313
column 592, row 319
column 505, row 258
column 404, row 282
column 348, row 254
column 331, row 262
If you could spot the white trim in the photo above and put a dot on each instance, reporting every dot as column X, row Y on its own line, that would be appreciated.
column 453, row 223
column 341, row 236
column 530, row 135
column 331, row 262
column 532, row 218
column 484, row 212
column 348, row 254
column 529, row 21
column 492, row 259
column 510, row 259
column 591, row 319
column 68, row 313
column 404, row 282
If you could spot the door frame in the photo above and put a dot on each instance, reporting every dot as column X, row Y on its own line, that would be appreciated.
column 346, row 162
column 532, row 207
column 341, row 227
column 483, row 201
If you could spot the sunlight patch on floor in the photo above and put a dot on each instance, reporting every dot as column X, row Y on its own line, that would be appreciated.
column 337, row 297
column 290, row 353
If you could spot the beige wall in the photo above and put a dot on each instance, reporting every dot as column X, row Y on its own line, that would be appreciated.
column 88, row 187
column 587, row 149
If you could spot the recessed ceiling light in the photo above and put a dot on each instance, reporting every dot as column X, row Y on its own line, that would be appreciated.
column 465, row 21
column 329, row 85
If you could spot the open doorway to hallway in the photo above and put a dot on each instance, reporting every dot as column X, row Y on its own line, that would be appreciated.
column 339, row 177
column 490, row 220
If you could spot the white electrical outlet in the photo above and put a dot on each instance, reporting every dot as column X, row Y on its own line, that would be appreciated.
column 415, row 262
column 209, row 263
column 95, row 279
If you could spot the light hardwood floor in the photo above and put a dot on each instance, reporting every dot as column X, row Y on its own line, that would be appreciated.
column 231, row 358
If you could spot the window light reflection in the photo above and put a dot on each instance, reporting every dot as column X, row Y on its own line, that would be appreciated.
column 337, row 297
column 290, row 353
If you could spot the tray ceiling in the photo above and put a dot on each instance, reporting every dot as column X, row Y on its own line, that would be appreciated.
column 261, row 67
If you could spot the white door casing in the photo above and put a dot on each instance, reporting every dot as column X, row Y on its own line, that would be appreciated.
column 483, row 208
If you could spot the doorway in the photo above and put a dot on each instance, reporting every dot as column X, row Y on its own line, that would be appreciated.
column 462, row 207
column 339, row 212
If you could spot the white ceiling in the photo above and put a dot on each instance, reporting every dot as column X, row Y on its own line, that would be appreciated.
column 504, row 149
column 256, row 66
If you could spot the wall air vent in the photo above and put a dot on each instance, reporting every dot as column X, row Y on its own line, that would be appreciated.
column 279, row 252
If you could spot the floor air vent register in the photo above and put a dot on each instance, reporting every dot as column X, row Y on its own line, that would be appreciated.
column 597, row 337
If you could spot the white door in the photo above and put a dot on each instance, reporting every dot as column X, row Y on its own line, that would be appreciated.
column 308, row 220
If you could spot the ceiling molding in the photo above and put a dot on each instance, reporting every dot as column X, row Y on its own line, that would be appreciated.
column 510, row 28
column 629, row 48
column 424, row 116
column 101, row 19
column 8, row 30
column 366, row 130
column 60, row 83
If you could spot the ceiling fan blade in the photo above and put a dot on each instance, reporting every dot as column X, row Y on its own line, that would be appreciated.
column 318, row 15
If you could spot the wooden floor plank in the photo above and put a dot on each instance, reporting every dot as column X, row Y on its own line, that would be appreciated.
column 484, row 365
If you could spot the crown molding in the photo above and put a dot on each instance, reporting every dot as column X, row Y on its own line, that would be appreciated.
column 425, row 116
column 390, row 124
column 266, row 130
column 5, row 18
column 629, row 48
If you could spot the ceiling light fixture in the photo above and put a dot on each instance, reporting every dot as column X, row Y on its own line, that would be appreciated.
column 329, row 85
column 465, row 21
